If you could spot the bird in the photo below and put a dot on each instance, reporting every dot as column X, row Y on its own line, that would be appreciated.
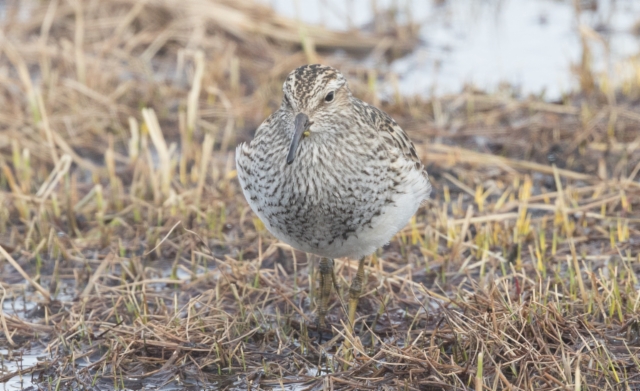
column 331, row 175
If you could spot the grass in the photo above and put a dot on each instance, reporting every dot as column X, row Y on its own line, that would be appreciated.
column 130, row 257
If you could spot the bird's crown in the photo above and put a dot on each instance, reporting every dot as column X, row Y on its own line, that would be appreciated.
column 307, row 85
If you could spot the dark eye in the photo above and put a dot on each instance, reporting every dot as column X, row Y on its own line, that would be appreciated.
column 329, row 97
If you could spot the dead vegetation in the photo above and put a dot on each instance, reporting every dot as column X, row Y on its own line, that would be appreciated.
column 129, row 257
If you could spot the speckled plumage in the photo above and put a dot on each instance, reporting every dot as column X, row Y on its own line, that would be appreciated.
column 356, row 180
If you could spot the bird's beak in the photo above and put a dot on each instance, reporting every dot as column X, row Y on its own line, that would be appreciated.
column 300, row 124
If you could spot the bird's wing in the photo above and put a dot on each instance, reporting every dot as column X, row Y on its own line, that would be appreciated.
column 402, row 153
column 395, row 137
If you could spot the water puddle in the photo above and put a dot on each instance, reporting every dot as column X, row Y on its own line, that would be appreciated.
column 528, row 44
column 13, row 361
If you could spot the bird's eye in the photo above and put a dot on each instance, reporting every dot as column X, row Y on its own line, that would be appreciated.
column 329, row 97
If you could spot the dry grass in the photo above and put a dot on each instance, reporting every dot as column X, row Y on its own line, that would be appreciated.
column 130, row 257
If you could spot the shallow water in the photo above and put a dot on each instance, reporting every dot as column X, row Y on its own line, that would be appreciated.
column 529, row 44
column 14, row 360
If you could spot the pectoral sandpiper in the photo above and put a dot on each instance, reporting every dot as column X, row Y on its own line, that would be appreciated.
column 331, row 175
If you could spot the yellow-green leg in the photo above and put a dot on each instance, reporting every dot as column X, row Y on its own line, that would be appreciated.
column 355, row 290
column 327, row 277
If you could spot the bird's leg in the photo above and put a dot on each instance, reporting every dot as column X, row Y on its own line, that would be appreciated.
column 327, row 277
column 335, row 285
column 355, row 290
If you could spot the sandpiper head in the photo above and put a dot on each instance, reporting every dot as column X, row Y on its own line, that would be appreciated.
column 314, row 94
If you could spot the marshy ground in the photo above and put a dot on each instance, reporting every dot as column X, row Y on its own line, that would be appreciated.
column 129, row 258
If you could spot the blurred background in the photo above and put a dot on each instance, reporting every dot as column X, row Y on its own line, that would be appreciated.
column 532, row 46
column 392, row 50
